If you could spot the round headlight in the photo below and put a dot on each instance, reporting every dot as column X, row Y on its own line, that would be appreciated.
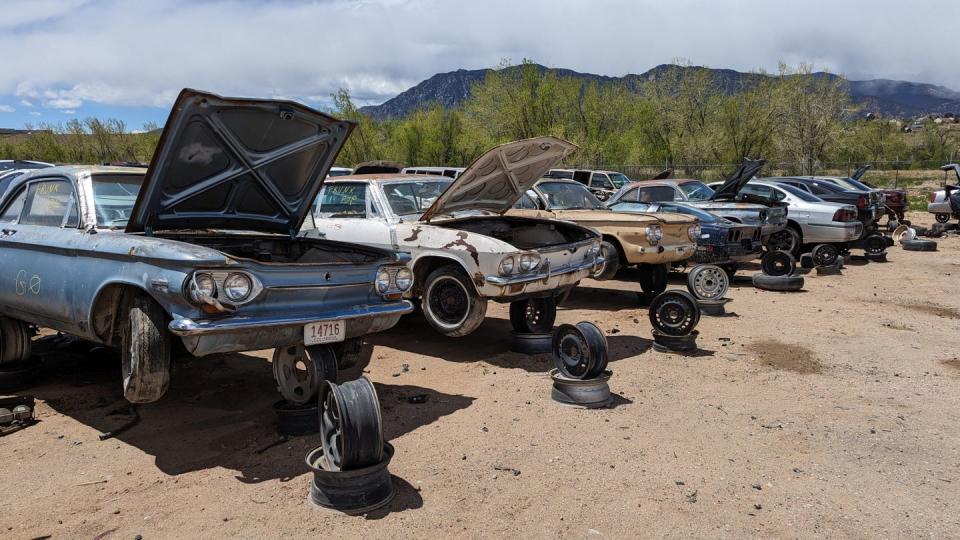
column 693, row 232
column 383, row 281
column 506, row 265
column 237, row 287
column 529, row 261
column 404, row 279
column 205, row 285
column 654, row 234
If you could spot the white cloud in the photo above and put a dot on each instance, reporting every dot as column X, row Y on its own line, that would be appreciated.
column 6, row 109
column 69, row 111
column 308, row 49
column 35, row 113
column 26, row 103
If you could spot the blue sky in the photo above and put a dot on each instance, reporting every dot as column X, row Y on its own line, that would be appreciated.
column 128, row 59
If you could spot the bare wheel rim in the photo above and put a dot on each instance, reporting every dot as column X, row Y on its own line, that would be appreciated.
column 604, row 256
column 942, row 218
column 710, row 282
column 295, row 374
column 825, row 255
column 572, row 352
column 874, row 244
column 331, row 431
column 448, row 301
column 673, row 314
column 784, row 240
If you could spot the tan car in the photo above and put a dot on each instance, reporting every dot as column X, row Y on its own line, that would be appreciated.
column 651, row 241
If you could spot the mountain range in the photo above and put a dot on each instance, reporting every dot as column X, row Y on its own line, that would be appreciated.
column 888, row 98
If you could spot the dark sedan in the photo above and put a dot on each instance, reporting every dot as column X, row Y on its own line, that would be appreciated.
column 869, row 203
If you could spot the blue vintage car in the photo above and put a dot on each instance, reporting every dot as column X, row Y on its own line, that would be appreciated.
column 201, row 247
column 721, row 241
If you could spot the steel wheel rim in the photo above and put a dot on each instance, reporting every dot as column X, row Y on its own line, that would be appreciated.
column 604, row 254
column 297, row 386
column 533, row 312
column 874, row 245
column 942, row 218
column 449, row 301
column 573, row 353
column 710, row 282
column 673, row 314
column 825, row 255
column 782, row 241
column 331, row 430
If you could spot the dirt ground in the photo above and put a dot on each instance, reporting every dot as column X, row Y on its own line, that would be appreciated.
column 832, row 412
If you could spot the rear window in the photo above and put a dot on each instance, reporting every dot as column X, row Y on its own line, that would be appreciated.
column 696, row 191
column 655, row 194
column 342, row 200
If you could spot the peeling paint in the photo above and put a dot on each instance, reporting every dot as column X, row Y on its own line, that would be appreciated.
column 414, row 234
column 462, row 241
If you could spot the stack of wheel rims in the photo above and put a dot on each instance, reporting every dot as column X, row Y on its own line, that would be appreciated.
column 580, row 378
column 18, row 370
column 532, row 321
column 300, row 373
column 674, row 316
column 350, row 467
column 709, row 283
column 778, row 272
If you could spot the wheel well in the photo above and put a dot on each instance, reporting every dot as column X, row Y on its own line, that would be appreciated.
column 109, row 307
column 795, row 226
column 425, row 265
column 620, row 253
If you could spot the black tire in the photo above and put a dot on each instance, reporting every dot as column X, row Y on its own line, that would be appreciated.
column 824, row 254
column 348, row 352
column 674, row 313
column 526, row 343
column 778, row 263
column 653, row 278
column 534, row 315
column 786, row 239
column 450, row 302
column 351, row 427
column 16, row 376
column 778, row 283
column 942, row 218
column 297, row 420
column 708, row 282
column 611, row 264
column 919, row 245
column 876, row 257
column 15, row 341
column 145, row 351
column 806, row 261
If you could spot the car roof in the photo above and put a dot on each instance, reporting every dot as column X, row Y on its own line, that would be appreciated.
column 74, row 170
column 380, row 177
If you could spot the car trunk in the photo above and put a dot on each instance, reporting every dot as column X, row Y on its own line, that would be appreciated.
column 521, row 233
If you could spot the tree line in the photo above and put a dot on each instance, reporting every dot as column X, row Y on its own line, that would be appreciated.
column 681, row 119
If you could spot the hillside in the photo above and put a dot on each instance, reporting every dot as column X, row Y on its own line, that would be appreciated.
column 901, row 99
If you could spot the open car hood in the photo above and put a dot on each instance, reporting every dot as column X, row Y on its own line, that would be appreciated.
column 735, row 183
column 498, row 178
column 861, row 170
column 952, row 167
column 237, row 164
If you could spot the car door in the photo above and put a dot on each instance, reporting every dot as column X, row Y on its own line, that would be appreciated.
column 39, row 253
column 347, row 212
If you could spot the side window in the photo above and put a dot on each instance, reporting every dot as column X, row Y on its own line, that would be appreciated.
column 526, row 202
column 52, row 204
column 758, row 191
column 801, row 187
column 817, row 190
column 12, row 212
column 582, row 176
column 601, row 181
column 630, row 196
column 779, row 195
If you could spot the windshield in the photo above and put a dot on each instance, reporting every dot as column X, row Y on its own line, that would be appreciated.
column 630, row 207
column 619, row 179
column 411, row 199
column 114, row 196
column 696, row 191
column 799, row 193
column 569, row 196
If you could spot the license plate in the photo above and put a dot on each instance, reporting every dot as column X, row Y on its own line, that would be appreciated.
column 324, row 332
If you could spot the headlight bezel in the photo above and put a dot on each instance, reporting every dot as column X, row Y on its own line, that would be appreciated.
column 227, row 287
column 407, row 276
column 218, row 296
column 694, row 231
column 382, row 281
column 505, row 268
column 528, row 262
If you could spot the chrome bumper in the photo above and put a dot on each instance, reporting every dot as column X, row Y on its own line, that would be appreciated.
column 185, row 327
column 502, row 281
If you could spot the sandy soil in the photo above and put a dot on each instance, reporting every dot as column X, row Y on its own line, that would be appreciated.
column 832, row 412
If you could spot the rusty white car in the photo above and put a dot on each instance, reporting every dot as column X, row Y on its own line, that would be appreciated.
column 200, row 248
column 464, row 250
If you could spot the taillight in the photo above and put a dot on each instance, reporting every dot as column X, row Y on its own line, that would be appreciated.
column 933, row 196
column 863, row 201
column 844, row 215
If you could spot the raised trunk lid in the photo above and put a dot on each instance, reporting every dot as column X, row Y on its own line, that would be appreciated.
column 498, row 178
column 738, row 179
column 237, row 164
